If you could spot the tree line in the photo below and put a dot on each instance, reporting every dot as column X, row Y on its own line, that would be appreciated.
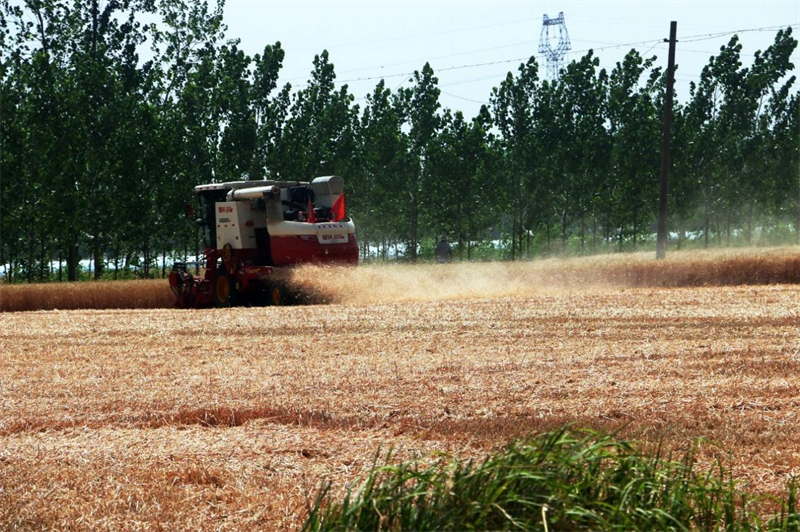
column 112, row 112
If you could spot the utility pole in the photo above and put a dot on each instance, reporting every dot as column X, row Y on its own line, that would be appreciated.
column 661, row 242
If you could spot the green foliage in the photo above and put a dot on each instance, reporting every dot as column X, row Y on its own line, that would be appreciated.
column 562, row 480
column 100, row 149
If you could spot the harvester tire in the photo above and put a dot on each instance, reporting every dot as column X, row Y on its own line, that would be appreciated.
column 224, row 291
column 277, row 296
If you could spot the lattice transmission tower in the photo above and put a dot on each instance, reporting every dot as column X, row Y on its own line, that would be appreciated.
column 554, row 43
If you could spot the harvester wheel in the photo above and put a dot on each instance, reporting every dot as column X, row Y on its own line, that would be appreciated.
column 276, row 296
column 224, row 291
column 227, row 252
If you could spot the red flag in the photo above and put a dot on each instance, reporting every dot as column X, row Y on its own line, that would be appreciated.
column 312, row 216
column 338, row 209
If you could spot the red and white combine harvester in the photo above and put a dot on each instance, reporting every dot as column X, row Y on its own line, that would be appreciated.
column 252, row 229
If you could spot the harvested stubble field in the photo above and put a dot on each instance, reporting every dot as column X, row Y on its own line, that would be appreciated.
column 230, row 419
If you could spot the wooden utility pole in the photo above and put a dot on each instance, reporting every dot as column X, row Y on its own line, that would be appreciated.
column 661, row 242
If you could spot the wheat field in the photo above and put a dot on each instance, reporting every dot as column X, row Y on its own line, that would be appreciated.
column 385, row 283
column 230, row 419
column 152, row 293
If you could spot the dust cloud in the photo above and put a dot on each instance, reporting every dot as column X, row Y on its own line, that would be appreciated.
column 378, row 283
column 390, row 283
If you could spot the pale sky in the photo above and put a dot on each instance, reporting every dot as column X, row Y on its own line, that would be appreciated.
column 381, row 38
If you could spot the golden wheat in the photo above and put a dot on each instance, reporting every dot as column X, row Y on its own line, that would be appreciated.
column 153, row 293
column 395, row 283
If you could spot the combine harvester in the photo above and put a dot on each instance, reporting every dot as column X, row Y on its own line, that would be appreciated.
column 254, row 229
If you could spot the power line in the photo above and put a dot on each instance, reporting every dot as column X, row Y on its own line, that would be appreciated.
column 629, row 22
column 393, row 90
column 648, row 50
column 405, row 37
column 462, row 98
column 611, row 45
column 501, row 61
column 707, row 36
column 473, row 80
column 710, row 52
column 654, row 42
column 689, row 50
column 479, row 50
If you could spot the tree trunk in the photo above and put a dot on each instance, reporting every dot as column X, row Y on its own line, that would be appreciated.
column 72, row 262
column 146, row 257
column 116, row 261
column 728, row 228
column 750, row 223
column 776, row 225
column 60, row 257
column 583, row 233
column 414, row 220
column 97, row 256
column 513, row 237
column 547, row 233
column 528, row 251
column 797, row 227
column 706, row 226
column 31, row 247
column 44, row 266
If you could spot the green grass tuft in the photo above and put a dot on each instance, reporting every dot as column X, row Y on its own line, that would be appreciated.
column 561, row 480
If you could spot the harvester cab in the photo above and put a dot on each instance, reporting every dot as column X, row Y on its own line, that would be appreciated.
column 252, row 229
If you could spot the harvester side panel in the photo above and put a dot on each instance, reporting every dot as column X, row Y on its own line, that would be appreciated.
column 236, row 223
column 301, row 242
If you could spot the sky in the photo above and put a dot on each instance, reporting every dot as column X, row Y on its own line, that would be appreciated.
column 370, row 39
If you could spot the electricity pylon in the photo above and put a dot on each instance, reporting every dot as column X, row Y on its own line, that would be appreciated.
column 554, row 44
